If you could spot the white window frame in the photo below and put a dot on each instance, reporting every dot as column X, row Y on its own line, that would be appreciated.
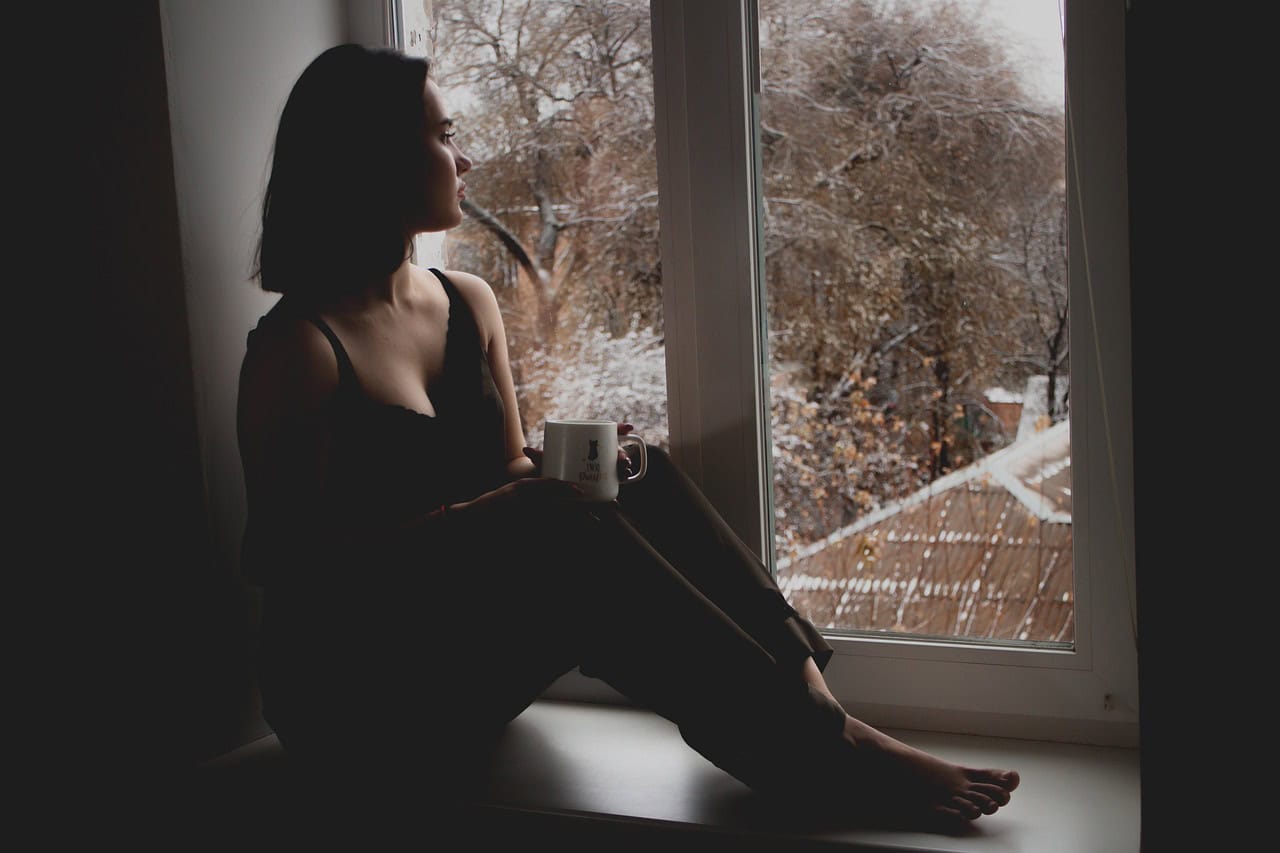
column 706, row 95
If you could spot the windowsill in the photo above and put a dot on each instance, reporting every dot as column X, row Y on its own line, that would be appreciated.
column 572, row 770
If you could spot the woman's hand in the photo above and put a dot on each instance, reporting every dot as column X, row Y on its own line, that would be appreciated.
column 624, row 461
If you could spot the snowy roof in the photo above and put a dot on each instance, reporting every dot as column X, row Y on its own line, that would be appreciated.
column 984, row 551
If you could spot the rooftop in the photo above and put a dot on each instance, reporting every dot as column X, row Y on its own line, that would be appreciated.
column 983, row 552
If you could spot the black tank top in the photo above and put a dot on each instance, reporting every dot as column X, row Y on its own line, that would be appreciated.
column 391, row 463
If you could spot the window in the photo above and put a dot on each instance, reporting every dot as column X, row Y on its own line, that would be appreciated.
column 1080, row 686
column 913, row 183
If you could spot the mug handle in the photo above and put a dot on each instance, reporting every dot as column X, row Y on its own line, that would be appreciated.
column 644, row 456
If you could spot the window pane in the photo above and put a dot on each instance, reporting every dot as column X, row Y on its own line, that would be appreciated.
column 554, row 103
column 913, row 160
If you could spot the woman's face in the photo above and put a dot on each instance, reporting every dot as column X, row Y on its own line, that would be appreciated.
column 445, row 165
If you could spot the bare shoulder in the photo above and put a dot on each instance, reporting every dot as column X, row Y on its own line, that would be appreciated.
column 288, row 370
column 482, row 301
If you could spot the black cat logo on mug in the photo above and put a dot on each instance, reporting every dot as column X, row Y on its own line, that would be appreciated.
column 595, row 449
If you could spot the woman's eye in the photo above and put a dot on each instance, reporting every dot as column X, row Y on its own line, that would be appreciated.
column 450, row 135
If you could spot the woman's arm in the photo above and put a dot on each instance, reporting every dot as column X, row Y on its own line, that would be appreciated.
column 488, row 314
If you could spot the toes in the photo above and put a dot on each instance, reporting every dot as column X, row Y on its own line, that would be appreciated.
column 1006, row 779
column 986, row 798
column 966, row 808
column 993, row 792
column 984, row 803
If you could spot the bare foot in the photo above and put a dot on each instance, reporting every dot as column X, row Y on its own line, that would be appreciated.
column 912, row 783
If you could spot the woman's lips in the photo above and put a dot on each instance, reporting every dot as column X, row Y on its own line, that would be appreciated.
column 462, row 191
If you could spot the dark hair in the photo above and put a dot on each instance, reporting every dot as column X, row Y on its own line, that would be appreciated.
column 347, row 174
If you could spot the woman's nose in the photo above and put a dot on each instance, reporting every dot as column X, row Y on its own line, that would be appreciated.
column 464, row 163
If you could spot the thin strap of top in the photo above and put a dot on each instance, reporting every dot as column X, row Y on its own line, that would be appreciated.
column 449, row 288
column 346, row 373
column 444, row 279
column 462, row 322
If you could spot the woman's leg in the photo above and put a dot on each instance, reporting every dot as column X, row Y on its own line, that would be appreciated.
column 514, row 605
column 670, row 512
column 530, row 595
column 634, row 621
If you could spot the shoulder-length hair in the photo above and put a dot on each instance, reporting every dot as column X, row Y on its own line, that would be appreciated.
column 347, row 174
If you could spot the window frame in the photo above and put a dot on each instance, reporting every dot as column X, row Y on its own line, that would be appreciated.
column 708, row 174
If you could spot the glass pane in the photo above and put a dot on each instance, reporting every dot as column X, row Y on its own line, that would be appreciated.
column 554, row 103
column 913, row 160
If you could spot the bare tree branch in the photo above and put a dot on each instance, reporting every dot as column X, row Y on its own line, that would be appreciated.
column 504, row 235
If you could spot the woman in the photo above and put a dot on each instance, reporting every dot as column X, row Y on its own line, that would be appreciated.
column 403, row 535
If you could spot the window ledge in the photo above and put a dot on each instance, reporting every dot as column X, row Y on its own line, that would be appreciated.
column 596, row 774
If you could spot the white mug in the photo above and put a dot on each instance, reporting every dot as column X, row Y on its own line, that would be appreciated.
column 586, row 452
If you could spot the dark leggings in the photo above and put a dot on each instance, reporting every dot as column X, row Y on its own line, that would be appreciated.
column 654, row 595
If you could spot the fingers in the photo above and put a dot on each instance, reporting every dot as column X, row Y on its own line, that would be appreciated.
column 624, row 461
